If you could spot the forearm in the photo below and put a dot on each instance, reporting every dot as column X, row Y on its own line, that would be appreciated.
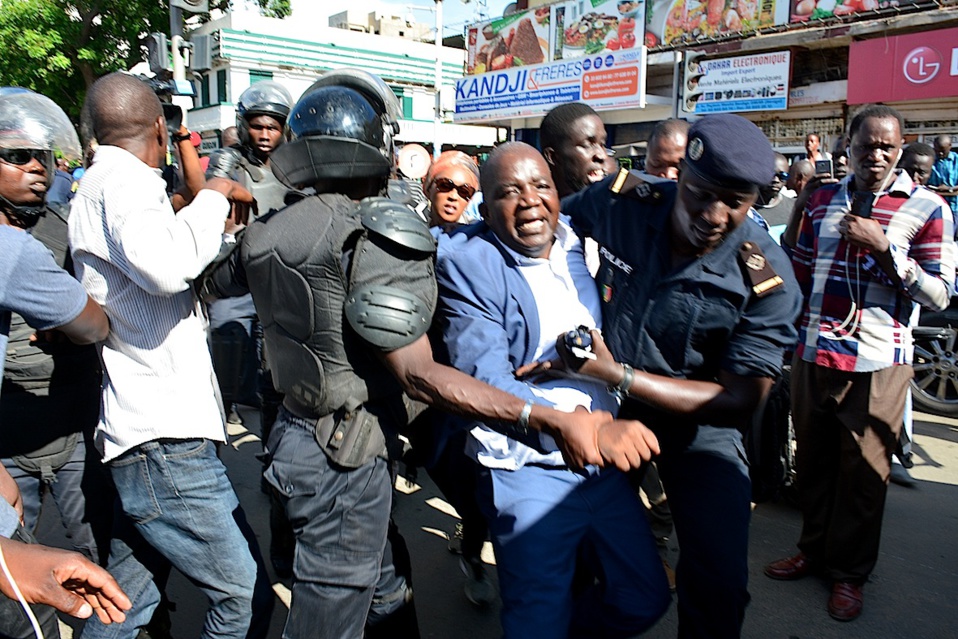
column 721, row 404
column 944, row 189
column 455, row 392
column 192, row 170
column 790, row 234
column 886, row 262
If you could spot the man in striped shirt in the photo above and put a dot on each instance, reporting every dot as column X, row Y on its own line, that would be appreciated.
column 160, row 408
column 870, row 248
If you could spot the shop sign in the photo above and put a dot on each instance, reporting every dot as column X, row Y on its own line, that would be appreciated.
column 917, row 66
column 209, row 144
column 608, row 80
column 756, row 82
column 818, row 93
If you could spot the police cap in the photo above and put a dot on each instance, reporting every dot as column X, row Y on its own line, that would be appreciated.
column 730, row 151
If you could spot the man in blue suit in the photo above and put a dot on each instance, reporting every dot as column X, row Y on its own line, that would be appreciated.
column 506, row 289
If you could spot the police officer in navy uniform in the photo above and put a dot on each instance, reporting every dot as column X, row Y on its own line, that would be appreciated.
column 699, row 306
column 344, row 284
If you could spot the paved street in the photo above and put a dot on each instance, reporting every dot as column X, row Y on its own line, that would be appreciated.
column 911, row 594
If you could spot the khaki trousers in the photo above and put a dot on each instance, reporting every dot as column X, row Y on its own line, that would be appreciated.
column 846, row 428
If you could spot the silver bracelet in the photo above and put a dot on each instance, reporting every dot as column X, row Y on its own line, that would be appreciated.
column 522, row 424
column 622, row 389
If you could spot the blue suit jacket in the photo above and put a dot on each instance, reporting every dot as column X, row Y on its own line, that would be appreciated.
column 486, row 312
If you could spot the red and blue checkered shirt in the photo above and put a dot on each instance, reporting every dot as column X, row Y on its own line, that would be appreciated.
column 855, row 318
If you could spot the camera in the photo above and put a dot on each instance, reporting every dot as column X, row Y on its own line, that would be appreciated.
column 823, row 167
column 164, row 88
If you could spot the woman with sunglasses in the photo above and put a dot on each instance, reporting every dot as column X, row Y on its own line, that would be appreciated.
column 451, row 182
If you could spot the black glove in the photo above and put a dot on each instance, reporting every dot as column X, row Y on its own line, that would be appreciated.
column 224, row 163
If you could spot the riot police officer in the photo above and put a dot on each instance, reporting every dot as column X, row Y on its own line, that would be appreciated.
column 50, row 386
column 344, row 285
column 261, row 113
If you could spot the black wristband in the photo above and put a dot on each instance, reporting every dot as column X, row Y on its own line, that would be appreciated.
column 181, row 138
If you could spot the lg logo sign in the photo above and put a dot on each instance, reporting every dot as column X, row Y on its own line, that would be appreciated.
column 923, row 64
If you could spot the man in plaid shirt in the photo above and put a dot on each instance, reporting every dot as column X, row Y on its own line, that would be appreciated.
column 870, row 248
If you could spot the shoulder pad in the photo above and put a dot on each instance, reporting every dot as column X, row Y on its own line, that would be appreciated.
column 628, row 184
column 387, row 317
column 399, row 192
column 397, row 223
column 763, row 278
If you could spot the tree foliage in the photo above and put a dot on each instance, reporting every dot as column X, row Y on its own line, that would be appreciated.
column 275, row 8
column 60, row 47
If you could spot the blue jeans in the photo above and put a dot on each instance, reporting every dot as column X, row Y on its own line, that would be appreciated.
column 545, row 520
column 184, row 511
column 87, row 521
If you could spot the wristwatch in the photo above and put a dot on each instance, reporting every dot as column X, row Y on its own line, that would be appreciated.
column 622, row 389
column 177, row 137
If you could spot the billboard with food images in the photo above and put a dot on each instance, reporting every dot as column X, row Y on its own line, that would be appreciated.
column 515, row 40
column 804, row 10
column 588, row 27
column 676, row 22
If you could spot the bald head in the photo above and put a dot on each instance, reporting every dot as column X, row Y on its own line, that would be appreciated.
column 229, row 137
column 501, row 156
column 799, row 174
column 520, row 203
column 942, row 146
column 122, row 110
column 666, row 148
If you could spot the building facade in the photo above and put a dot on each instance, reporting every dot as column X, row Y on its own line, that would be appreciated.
column 247, row 48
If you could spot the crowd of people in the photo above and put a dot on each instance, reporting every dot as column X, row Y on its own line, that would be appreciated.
column 573, row 350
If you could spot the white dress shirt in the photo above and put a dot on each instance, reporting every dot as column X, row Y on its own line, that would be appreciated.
column 566, row 297
column 138, row 260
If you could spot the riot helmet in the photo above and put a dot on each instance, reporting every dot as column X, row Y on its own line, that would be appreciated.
column 5, row 91
column 265, row 97
column 32, row 127
column 342, row 127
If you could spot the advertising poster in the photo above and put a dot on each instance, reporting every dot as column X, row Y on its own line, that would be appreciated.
column 607, row 80
column 588, row 27
column 516, row 40
column 804, row 10
column 685, row 21
column 757, row 82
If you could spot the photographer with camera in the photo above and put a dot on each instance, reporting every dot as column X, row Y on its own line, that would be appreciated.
column 160, row 412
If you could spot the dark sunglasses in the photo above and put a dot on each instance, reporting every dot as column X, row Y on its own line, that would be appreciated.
column 783, row 176
column 444, row 185
column 22, row 156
